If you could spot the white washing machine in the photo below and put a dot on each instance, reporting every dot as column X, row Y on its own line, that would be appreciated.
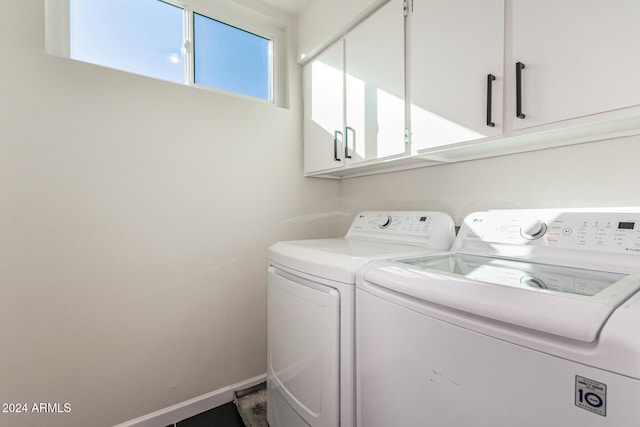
column 532, row 320
column 311, row 289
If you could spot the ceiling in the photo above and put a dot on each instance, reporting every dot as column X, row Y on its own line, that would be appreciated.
column 290, row 6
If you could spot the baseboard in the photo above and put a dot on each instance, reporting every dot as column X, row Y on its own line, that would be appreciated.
column 191, row 407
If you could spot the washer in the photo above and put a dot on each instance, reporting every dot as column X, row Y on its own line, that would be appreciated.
column 311, row 290
column 531, row 320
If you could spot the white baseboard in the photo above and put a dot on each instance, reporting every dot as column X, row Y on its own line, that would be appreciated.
column 191, row 407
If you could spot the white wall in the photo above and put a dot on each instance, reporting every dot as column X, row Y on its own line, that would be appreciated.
column 598, row 174
column 134, row 219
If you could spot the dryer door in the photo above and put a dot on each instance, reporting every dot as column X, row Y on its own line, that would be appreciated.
column 303, row 333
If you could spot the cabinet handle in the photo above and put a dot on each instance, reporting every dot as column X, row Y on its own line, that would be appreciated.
column 490, row 79
column 335, row 145
column 519, row 68
column 346, row 141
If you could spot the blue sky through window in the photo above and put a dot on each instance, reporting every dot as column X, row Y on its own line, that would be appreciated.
column 140, row 36
column 229, row 58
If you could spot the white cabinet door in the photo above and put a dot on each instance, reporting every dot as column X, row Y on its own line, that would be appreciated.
column 375, row 102
column 454, row 46
column 580, row 57
column 324, row 110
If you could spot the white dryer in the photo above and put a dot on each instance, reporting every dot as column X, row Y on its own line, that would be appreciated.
column 311, row 289
column 533, row 319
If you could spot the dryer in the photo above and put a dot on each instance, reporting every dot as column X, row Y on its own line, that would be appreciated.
column 310, row 327
column 531, row 320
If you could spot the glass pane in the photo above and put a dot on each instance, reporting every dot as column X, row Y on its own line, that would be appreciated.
column 520, row 274
column 140, row 36
column 231, row 59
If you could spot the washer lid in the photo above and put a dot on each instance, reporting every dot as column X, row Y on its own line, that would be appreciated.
column 568, row 302
column 338, row 259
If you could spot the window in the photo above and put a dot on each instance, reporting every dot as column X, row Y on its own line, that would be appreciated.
column 175, row 42
column 230, row 58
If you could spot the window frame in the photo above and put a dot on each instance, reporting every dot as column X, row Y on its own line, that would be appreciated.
column 58, row 38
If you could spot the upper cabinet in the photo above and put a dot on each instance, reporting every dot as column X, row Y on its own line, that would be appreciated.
column 324, row 110
column 577, row 58
column 482, row 78
column 354, row 104
column 455, row 70
column 375, row 101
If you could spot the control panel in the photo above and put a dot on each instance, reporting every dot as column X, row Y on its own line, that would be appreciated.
column 607, row 232
column 433, row 229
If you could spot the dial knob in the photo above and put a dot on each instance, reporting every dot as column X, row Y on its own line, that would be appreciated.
column 533, row 282
column 534, row 231
column 383, row 221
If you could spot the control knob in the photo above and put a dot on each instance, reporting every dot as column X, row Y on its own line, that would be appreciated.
column 383, row 221
column 533, row 282
column 534, row 231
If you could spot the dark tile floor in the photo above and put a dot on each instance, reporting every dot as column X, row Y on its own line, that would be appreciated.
column 223, row 416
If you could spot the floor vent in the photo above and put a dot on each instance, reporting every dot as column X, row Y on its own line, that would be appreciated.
column 252, row 405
